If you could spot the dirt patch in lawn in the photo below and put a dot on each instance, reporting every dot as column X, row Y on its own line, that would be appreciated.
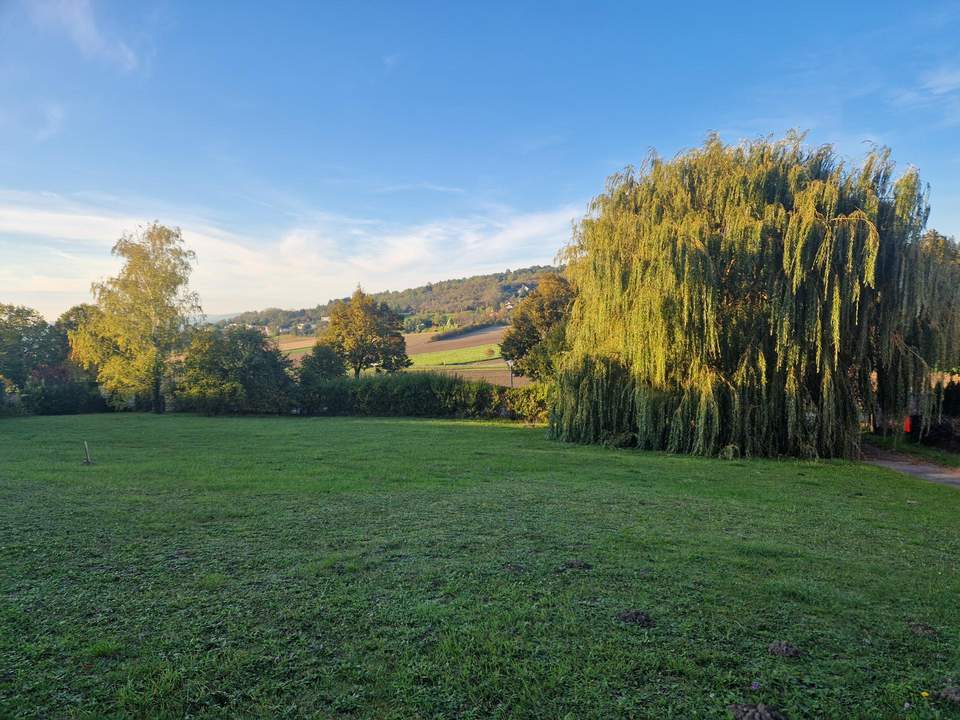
column 784, row 649
column 636, row 617
column 756, row 712
column 922, row 629
column 575, row 565
column 950, row 695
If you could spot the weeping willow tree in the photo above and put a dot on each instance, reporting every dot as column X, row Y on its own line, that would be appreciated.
column 760, row 299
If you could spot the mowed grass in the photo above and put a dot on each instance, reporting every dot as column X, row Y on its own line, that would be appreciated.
column 460, row 356
column 284, row 567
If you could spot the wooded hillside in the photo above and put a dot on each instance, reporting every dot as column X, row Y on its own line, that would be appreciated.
column 449, row 302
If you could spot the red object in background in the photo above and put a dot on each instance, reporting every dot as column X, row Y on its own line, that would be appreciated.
column 906, row 424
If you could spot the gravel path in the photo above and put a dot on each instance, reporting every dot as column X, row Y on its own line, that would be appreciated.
column 912, row 466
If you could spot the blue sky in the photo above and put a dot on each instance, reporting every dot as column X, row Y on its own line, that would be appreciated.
column 306, row 147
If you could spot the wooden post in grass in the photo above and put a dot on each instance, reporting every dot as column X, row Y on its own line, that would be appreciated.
column 86, row 452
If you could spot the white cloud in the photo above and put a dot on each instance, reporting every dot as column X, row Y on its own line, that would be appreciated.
column 76, row 19
column 54, row 247
column 942, row 81
column 937, row 90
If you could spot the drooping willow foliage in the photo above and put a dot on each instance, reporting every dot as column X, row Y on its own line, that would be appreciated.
column 762, row 299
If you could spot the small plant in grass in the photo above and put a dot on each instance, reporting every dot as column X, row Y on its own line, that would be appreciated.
column 103, row 648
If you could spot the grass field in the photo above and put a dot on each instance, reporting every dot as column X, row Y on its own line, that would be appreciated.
column 283, row 567
column 462, row 356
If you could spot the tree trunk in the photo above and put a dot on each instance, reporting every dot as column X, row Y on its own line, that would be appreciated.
column 157, row 395
column 356, row 372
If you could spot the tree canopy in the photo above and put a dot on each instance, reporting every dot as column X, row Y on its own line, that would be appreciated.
column 233, row 370
column 321, row 363
column 366, row 334
column 140, row 316
column 27, row 342
column 536, row 333
column 763, row 298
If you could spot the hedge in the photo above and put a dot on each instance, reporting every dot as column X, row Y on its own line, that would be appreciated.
column 424, row 394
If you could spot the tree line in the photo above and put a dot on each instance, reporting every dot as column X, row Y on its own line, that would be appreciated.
column 140, row 343
column 766, row 298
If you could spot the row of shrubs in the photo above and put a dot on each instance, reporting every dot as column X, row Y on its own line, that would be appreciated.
column 412, row 394
column 53, row 398
column 424, row 394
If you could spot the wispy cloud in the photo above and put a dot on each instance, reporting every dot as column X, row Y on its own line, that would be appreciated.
column 942, row 81
column 937, row 90
column 55, row 246
column 541, row 142
column 77, row 20
column 38, row 121
column 51, row 121
column 414, row 187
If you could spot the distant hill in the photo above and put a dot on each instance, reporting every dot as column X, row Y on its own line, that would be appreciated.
column 444, row 304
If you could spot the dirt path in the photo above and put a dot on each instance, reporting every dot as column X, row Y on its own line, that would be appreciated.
column 912, row 466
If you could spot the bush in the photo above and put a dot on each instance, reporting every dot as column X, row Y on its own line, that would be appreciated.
column 66, row 398
column 233, row 371
column 332, row 396
column 61, row 390
column 423, row 394
column 10, row 403
column 319, row 366
column 530, row 403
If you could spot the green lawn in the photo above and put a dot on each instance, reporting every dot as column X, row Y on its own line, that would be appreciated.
column 460, row 356
column 284, row 567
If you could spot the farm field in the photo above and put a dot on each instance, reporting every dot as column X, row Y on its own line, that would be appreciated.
column 464, row 356
column 340, row 567
column 468, row 355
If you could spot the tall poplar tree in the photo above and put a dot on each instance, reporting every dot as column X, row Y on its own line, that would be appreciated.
column 140, row 317
column 763, row 298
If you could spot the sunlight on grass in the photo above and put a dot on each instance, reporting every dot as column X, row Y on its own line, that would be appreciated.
column 396, row 568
